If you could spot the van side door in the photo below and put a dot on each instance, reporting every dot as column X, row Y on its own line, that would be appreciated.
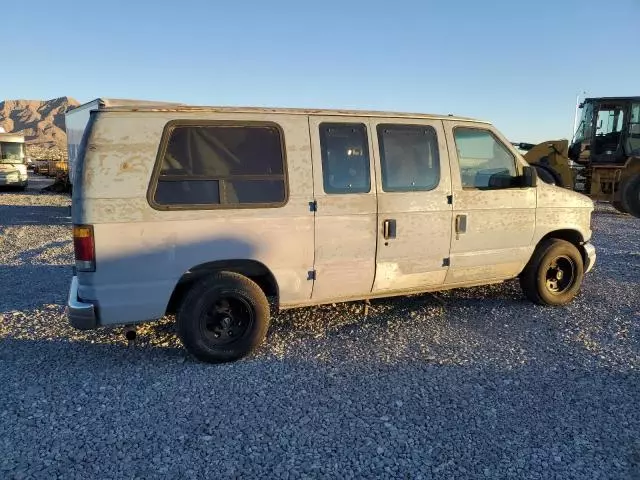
column 494, row 217
column 345, row 207
column 414, row 217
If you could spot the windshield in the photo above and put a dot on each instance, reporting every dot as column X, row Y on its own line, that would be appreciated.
column 585, row 126
column 610, row 120
column 11, row 152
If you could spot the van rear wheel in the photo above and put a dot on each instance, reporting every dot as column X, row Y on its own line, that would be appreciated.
column 554, row 273
column 223, row 318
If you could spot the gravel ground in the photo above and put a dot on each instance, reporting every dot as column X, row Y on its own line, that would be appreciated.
column 474, row 383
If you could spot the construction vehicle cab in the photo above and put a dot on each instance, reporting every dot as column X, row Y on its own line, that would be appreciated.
column 609, row 131
column 603, row 158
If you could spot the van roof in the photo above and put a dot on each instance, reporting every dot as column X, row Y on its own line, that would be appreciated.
column 121, row 105
column 104, row 103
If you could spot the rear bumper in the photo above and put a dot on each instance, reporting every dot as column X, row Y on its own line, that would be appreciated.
column 590, row 256
column 81, row 315
column 91, row 306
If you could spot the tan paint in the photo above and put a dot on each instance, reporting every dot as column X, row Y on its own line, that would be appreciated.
column 561, row 209
column 500, row 223
column 415, row 258
column 150, row 257
column 632, row 167
column 142, row 252
column 498, row 264
column 180, row 110
column 393, row 293
column 345, row 228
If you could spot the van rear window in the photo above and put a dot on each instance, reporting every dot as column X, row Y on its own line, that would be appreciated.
column 221, row 165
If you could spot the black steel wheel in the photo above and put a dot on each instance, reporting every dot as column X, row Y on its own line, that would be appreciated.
column 554, row 273
column 227, row 320
column 223, row 318
column 560, row 275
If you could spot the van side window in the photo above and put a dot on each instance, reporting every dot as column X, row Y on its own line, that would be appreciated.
column 345, row 158
column 224, row 165
column 484, row 161
column 408, row 158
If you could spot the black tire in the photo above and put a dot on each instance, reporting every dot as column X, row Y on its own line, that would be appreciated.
column 542, row 273
column 216, row 306
column 630, row 195
column 619, row 206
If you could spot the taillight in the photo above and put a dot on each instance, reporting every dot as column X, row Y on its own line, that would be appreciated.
column 83, row 246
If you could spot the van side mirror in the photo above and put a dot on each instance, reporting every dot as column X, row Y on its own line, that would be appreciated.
column 529, row 176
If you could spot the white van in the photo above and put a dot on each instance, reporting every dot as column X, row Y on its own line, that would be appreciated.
column 207, row 212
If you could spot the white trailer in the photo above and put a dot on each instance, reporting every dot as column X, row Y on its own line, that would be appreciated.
column 77, row 119
column 13, row 167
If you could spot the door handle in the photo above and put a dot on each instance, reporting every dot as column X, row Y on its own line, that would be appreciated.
column 461, row 225
column 389, row 229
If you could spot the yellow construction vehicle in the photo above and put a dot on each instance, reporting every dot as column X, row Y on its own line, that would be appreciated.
column 603, row 159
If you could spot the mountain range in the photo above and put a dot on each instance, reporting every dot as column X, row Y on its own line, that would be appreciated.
column 40, row 121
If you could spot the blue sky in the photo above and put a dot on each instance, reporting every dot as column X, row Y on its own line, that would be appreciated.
column 517, row 64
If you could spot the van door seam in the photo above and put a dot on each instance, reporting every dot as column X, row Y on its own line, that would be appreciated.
column 453, row 195
column 376, row 162
column 313, row 197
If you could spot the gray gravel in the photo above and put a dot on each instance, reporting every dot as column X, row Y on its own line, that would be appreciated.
column 473, row 383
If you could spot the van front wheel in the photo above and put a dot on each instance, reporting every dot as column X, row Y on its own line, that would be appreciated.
column 223, row 318
column 554, row 274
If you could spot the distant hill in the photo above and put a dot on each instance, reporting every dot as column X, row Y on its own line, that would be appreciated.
column 40, row 121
